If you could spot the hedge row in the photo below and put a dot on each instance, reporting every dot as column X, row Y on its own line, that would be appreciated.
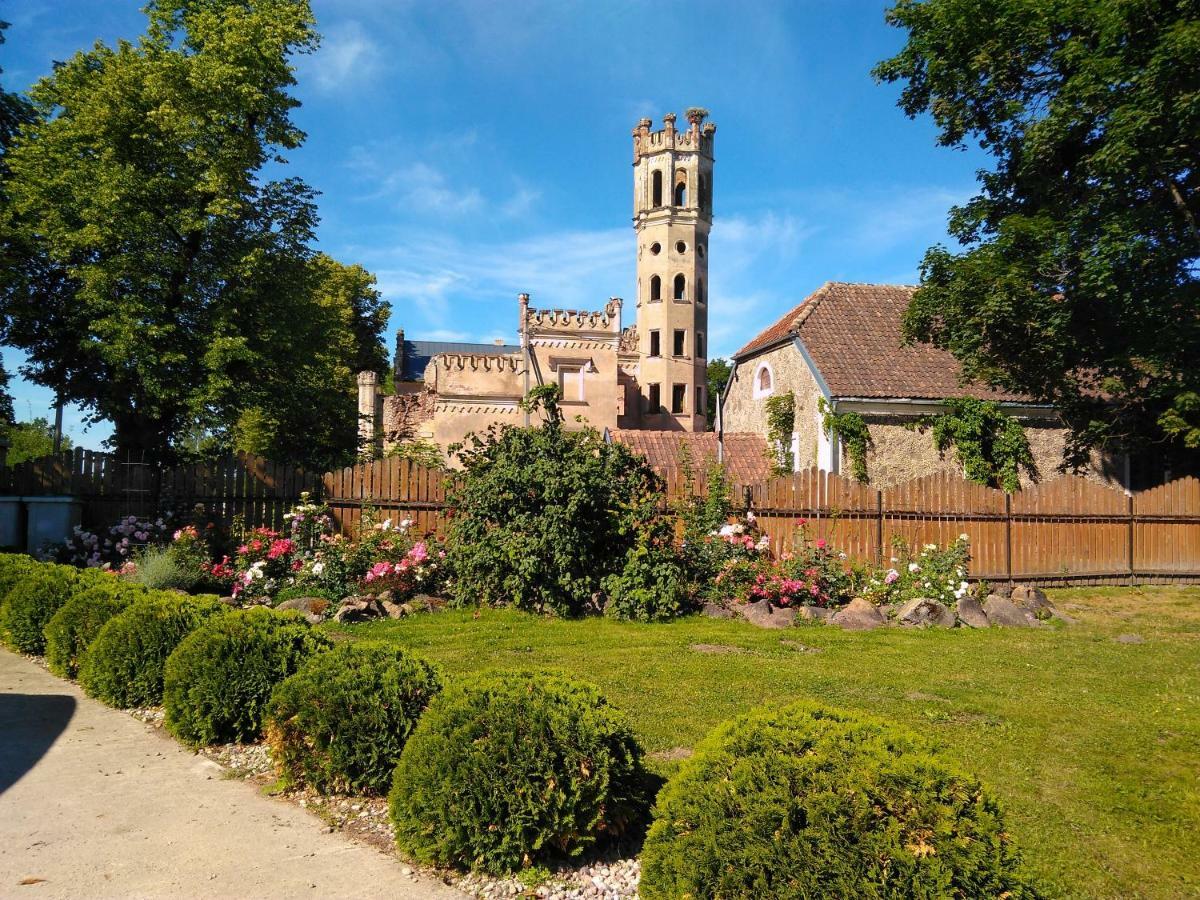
column 504, row 771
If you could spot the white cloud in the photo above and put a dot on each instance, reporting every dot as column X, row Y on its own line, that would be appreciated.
column 346, row 58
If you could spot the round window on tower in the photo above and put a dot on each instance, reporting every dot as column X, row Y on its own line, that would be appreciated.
column 680, row 247
column 656, row 248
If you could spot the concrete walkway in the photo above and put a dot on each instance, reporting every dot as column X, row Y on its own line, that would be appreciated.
column 93, row 804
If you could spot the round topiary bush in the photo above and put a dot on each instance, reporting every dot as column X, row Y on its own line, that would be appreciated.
column 31, row 603
column 219, row 679
column 339, row 724
column 807, row 802
column 124, row 664
column 508, row 770
column 72, row 629
column 13, row 568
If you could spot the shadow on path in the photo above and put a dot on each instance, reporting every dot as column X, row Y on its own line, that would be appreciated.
column 30, row 724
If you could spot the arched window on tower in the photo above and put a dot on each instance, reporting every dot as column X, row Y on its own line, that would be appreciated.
column 680, row 287
column 656, row 189
column 680, row 188
column 655, row 288
column 700, row 291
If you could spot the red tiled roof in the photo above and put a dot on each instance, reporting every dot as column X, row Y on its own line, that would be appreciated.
column 745, row 454
column 852, row 333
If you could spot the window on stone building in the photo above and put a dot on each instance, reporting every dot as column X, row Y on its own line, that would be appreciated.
column 678, row 397
column 699, row 344
column 699, row 397
column 656, row 191
column 655, row 344
column 570, row 382
column 680, row 287
column 653, row 403
column 764, row 381
column 700, row 290
column 680, row 188
column 655, row 288
column 679, row 348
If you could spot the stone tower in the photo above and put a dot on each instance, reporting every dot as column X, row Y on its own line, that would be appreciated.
column 672, row 215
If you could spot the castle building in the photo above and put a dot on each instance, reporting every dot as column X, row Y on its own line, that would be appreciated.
column 649, row 376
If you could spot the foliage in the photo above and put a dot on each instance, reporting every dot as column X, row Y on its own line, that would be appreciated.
column 309, row 522
column 37, row 596
column 158, row 569
column 990, row 444
column 418, row 570
column 852, row 433
column 71, row 630
column 218, row 681
column 152, row 272
column 653, row 584
column 742, row 551
column 781, row 423
column 422, row 452
column 265, row 562
column 807, row 802
column 542, row 515
column 1078, row 281
column 701, row 515
column 32, row 440
column 124, row 665
column 509, row 770
column 717, row 375
column 338, row 725
column 935, row 573
column 117, row 546
column 14, row 567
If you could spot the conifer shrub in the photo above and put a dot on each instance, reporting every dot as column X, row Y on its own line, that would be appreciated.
column 509, row 770
column 31, row 603
column 340, row 723
column 124, row 665
column 72, row 629
column 808, row 802
column 219, row 680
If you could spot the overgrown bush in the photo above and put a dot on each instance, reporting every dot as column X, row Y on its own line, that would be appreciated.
column 159, row 569
column 72, row 629
column 30, row 605
column 124, row 665
column 808, row 802
column 652, row 585
column 543, row 514
column 509, row 770
column 219, row 680
column 933, row 572
column 339, row 724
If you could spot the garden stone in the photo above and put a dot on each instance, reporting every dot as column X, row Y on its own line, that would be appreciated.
column 313, row 607
column 970, row 612
column 814, row 613
column 1000, row 590
column 764, row 615
column 924, row 613
column 228, row 601
column 359, row 609
column 859, row 615
column 1033, row 600
column 716, row 611
column 394, row 610
column 1002, row 611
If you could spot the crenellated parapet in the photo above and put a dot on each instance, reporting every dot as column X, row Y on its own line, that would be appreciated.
column 697, row 137
column 540, row 322
column 484, row 363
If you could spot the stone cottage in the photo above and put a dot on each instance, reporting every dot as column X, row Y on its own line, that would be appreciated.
column 843, row 344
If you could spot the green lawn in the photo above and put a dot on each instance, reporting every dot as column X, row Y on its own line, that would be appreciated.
column 1093, row 745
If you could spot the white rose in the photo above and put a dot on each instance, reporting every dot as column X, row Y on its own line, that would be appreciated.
column 913, row 567
column 318, row 568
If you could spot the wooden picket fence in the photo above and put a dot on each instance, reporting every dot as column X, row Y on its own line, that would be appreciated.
column 1066, row 530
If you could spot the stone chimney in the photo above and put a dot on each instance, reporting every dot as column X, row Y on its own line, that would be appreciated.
column 398, row 359
column 368, row 397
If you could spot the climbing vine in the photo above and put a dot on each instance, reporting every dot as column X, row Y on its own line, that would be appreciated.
column 781, row 422
column 990, row 444
column 852, row 433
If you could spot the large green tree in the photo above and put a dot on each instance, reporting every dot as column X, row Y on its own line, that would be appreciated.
column 718, row 373
column 1077, row 277
column 160, row 279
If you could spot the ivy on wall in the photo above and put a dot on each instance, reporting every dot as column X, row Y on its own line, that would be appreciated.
column 781, row 422
column 990, row 444
column 852, row 433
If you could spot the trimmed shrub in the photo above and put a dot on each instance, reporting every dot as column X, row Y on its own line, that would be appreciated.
column 339, row 724
column 72, row 629
column 808, row 802
column 219, row 679
column 31, row 603
column 509, row 770
column 13, row 568
column 124, row 665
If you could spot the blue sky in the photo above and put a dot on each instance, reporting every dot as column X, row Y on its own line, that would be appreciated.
column 468, row 150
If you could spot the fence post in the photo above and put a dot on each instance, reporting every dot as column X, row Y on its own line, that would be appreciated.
column 879, row 527
column 1008, row 568
column 1132, row 570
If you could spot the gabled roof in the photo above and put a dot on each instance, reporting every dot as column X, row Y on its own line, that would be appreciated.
column 745, row 454
column 418, row 353
column 852, row 334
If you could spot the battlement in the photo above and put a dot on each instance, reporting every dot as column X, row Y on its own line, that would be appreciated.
column 697, row 137
column 576, row 320
column 474, row 362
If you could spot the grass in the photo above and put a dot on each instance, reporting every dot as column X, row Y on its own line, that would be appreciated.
column 1092, row 745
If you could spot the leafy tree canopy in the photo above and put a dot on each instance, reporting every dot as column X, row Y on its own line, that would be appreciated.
column 1077, row 283
column 718, row 374
column 155, row 275
column 31, row 440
